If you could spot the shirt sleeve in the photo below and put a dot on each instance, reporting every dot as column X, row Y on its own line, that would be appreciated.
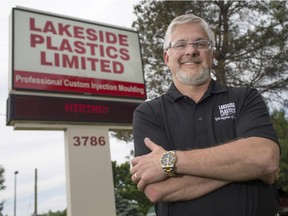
column 147, row 122
column 253, row 118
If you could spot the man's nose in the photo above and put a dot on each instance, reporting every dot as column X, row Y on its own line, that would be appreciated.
column 191, row 50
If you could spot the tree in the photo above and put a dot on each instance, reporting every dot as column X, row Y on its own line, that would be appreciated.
column 125, row 207
column 129, row 200
column 251, row 41
column 122, row 134
column 281, row 126
column 251, row 44
column 58, row 213
column 2, row 186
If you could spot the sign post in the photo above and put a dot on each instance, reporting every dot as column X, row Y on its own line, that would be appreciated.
column 90, row 189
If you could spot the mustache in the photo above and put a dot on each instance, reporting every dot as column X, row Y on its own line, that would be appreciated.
column 191, row 60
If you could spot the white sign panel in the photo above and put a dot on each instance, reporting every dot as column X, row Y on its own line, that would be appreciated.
column 63, row 55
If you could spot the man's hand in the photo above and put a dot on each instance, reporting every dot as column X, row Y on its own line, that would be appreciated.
column 147, row 169
column 270, row 178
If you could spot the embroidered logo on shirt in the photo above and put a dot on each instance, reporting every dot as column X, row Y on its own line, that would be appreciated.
column 227, row 111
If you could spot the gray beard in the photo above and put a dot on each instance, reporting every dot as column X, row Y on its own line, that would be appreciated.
column 194, row 80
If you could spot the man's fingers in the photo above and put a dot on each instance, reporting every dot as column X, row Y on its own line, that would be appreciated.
column 135, row 178
column 135, row 161
column 141, row 185
column 151, row 145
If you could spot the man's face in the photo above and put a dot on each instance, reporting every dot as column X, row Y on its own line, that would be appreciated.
column 189, row 65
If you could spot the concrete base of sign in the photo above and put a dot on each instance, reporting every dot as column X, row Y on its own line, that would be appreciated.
column 90, row 189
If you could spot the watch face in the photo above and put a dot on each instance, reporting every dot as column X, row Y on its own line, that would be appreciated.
column 168, row 159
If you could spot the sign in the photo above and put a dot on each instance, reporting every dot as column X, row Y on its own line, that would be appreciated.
column 27, row 108
column 53, row 56
column 56, row 54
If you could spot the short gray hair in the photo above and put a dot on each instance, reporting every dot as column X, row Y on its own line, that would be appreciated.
column 183, row 19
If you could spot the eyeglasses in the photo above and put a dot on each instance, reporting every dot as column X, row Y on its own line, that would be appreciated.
column 198, row 45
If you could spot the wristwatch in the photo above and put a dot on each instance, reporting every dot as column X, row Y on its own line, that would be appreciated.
column 168, row 160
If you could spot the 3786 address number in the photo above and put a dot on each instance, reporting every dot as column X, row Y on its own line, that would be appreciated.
column 89, row 141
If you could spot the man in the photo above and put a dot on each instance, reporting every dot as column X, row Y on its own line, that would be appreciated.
column 203, row 149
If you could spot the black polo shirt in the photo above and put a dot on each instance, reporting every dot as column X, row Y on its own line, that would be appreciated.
column 223, row 114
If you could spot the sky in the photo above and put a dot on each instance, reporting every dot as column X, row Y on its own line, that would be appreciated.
column 27, row 150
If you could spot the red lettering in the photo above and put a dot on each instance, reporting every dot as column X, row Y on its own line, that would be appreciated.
column 68, row 107
column 101, row 37
column 82, row 108
column 78, row 32
column 57, row 59
column 86, row 108
column 79, row 47
column 71, row 62
column 83, row 63
column 49, row 27
column 109, row 51
column 102, row 51
column 111, row 38
column 118, row 67
column 105, row 66
column 91, row 34
column 64, row 29
column 92, row 47
column 80, row 62
column 65, row 45
column 123, row 40
column 32, row 25
column 49, row 44
column 124, row 54
column 44, row 60
column 93, row 62
column 36, row 39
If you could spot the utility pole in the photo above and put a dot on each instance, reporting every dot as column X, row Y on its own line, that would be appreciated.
column 15, row 183
column 35, row 195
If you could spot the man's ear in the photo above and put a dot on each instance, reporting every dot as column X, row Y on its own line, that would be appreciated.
column 166, row 57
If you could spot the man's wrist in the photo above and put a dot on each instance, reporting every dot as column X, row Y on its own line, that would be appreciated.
column 168, row 160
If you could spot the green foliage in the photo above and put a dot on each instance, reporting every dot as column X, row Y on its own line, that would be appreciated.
column 2, row 186
column 125, row 207
column 125, row 135
column 281, row 127
column 251, row 42
column 2, row 179
column 58, row 213
column 128, row 197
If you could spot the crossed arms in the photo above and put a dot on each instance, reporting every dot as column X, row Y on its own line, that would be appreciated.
column 202, row 171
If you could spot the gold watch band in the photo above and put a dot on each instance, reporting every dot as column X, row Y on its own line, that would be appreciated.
column 169, row 171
